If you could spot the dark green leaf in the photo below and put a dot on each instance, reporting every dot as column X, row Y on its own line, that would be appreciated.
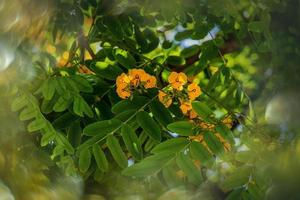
column 84, row 160
column 149, row 125
column 102, row 127
column 100, row 158
column 184, row 128
column 116, row 151
column 132, row 142
column 171, row 146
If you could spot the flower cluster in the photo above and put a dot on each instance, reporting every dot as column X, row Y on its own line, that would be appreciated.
column 136, row 78
column 185, row 93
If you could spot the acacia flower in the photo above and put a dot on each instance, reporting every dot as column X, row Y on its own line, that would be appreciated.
column 123, row 92
column 193, row 91
column 193, row 114
column 136, row 76
column 164, row 98
column 228, row 122
column 149, row 81
column 186, row 107
column 177, row 80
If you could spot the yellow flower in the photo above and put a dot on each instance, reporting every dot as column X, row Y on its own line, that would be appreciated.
column 193, row 91
column 136, row 76
column 123, row 92
column 150, row 82
column 180, row 174
column 177, row 80
column 164, row 98
column 196, row 138
column 123, row 79
column 228, row 122
column 193, row 114
column 207, row 126
column 185, row 107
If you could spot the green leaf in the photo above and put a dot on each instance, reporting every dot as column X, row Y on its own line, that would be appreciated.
column 18, row 103
column 132, row 142
column 80, row 107
column 84, row 160
column 62, row 139
column 106, row 70
column 186, row 164
column 100, row 158
column 47, row 138
column 148, row 166
column 116, row 151
column 61, row 104
column 149, row 125
column 225, row 132
column 27, row 113
column 183, row 35
column 36, row 125
column 123, row 116
column 202, row 110
column 199, row 152
column 124, row 58
column 102, row 127
column 127, row 104
column 64, row 120
column 256, row 26
column 48, row 89
column 213, row 142
column 237, row 179
column 171, row 146
column 82, row 84
column 184, row 128
column 161, row 113
column 175, row 60
column 190, row 51
column 74, row 133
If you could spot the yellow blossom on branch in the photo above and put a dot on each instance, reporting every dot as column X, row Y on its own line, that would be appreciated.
column 177, row 80
column 193, row 91
column 164, row 98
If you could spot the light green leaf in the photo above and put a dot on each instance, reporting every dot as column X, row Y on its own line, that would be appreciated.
column 36, row 125
column 27, row 113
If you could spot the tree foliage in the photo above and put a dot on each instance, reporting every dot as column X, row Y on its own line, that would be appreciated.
column 148, row 83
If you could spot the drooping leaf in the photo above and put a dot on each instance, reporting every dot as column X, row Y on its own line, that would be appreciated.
column 149, row 125
column 116, row 151
column 199, row 152
column 84, row 160
column 132, row 142
column 100, row 158
column 161, row 113
column 184, row 128
column 189, row 168
column 102, row 127
column 171, row 146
